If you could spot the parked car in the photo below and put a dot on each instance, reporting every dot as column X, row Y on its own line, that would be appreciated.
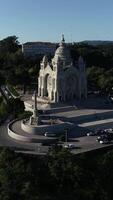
column 100, row 132
column 91, row 133
column 104, row 141
column 109, row 130
column 69, row 146
column 6, row 92
column 104, row 137
column 101, row 137
column 110, row 136
column 48, row 134
column 95, row 133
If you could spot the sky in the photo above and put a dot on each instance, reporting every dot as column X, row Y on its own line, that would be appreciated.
column 46, row 20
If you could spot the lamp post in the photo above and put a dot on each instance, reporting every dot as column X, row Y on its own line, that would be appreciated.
column 66, row 135
column 51, row 121
column 37, row 147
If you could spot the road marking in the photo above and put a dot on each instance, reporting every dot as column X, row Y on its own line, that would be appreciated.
column 95, row 122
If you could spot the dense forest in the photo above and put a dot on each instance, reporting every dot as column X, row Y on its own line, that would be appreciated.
column 17, row 70
column 99, row 64
column 59, row 175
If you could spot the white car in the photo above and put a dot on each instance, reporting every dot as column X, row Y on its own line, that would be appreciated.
column 108, row 130
column 104, row 141
column 47, row 134
column 6, row 92
column 69, row 146
column 91, row 133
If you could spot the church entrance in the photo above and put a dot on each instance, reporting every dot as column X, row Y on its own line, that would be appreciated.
column 47, row 86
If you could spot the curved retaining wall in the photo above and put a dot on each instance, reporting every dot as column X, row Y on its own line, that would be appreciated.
column 40, row 130
column 16, row 135
column 29, row 136
column 28, row 139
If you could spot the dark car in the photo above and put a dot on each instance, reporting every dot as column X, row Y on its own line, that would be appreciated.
column 100, row 132
column 110, row 136
column 95, row 133
column 104, row 141
column 104, row 137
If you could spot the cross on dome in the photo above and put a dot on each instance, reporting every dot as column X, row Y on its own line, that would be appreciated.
column 62, row 40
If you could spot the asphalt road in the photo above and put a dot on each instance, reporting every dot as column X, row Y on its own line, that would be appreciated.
column 7, row 141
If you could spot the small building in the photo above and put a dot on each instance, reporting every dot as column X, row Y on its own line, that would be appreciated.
column 38, row 48
column 61, row 80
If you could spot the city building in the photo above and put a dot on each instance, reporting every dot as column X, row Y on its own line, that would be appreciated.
column 60, row 79
column 38, row 48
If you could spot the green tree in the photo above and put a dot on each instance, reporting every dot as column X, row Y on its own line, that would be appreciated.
column 3, row 110
column 9, row 44
column 106, row 174
column 2, row 80
column 93, row 75
column 16, row 106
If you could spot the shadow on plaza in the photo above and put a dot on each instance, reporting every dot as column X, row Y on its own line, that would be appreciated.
column 87, row 118
column 92, row 117
column 16, row 148
column 77, row 132
column 92, row 102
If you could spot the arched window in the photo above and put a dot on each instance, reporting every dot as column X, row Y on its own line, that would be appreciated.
column 53, row 83
column 41, row 81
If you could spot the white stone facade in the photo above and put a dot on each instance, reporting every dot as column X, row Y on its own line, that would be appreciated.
column 60, row 80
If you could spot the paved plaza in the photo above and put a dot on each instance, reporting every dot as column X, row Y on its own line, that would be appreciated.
column 85, row 117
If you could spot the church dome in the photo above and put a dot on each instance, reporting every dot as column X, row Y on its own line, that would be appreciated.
column 62, row 53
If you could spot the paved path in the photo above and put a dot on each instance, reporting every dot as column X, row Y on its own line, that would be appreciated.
column 6, row 141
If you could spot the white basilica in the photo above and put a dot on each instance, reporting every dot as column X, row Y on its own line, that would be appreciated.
column 60, row 80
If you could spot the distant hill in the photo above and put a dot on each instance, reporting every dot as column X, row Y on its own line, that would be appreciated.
column 97, row 42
